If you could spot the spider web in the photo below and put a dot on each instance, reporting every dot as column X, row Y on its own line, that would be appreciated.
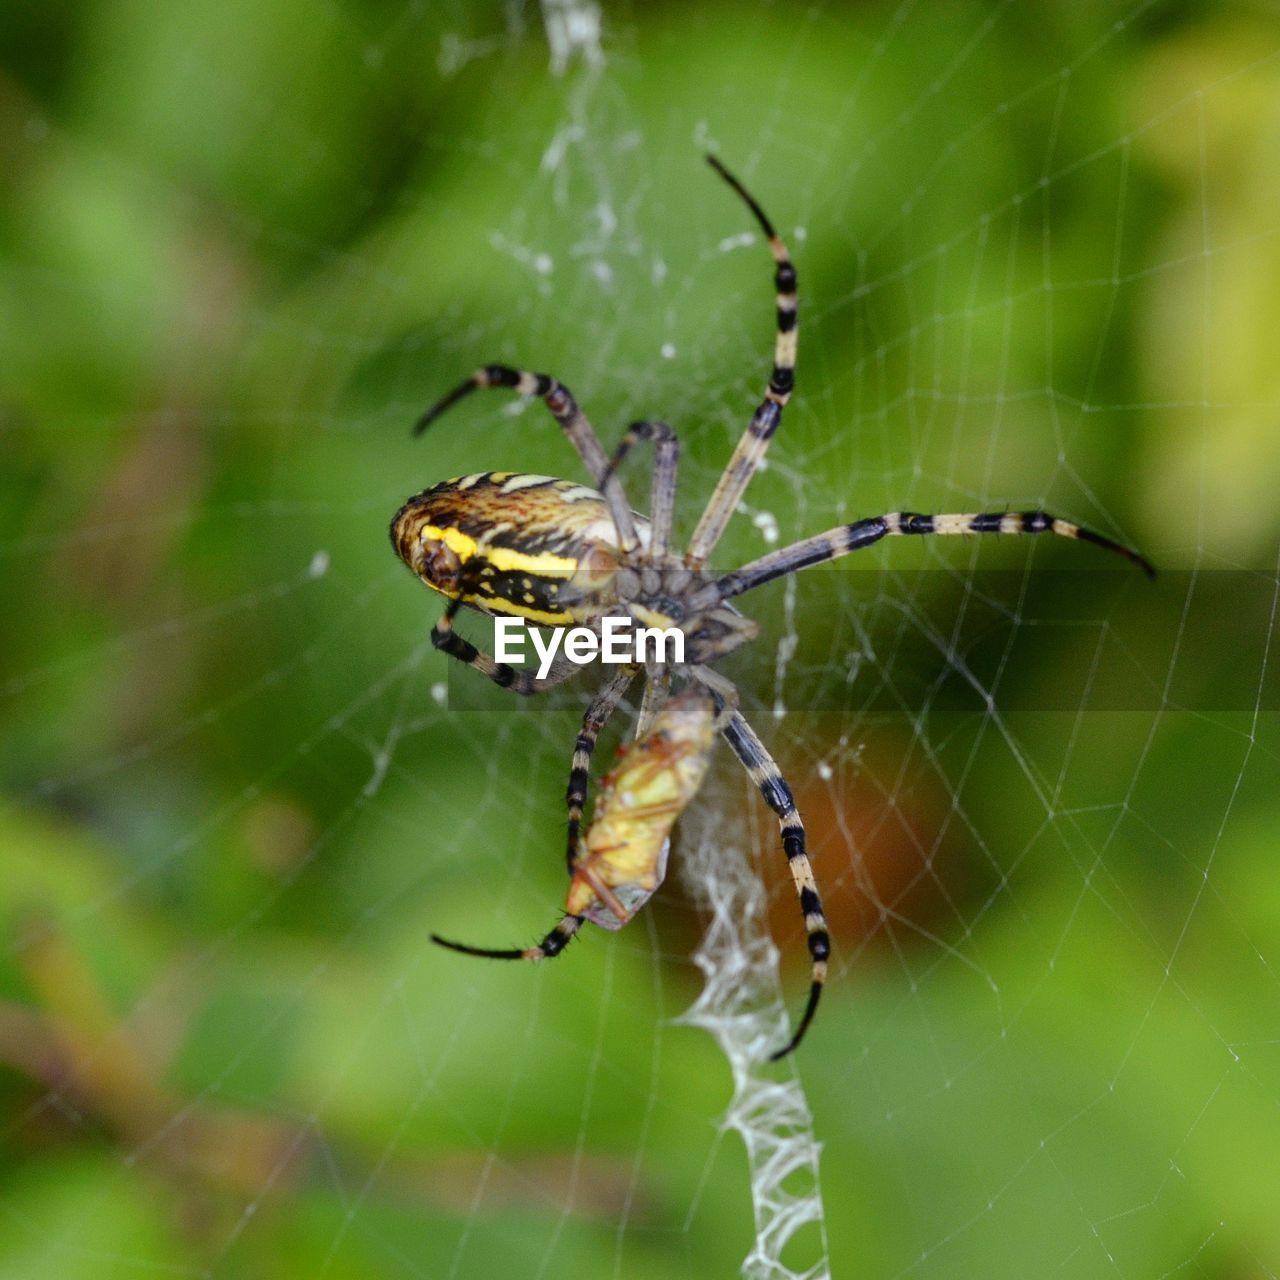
column 1039, row 255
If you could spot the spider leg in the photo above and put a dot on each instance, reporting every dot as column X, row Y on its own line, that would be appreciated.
column 552, row 945
column 723, row 690
column 596, row 717
column 752, row 446
column 845, row 538
column 764, row 772
column 444, row 637
column 564, row 408
column 663, row 492
column 657, row 688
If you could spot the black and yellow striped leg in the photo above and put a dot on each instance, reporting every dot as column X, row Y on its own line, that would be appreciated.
column 723, row 691
column 552, row 945
column 765, row 773
column 444, row 637
column 754, row 443
column 596, row 717
column 564, row 408
column 862, row 533
column 662, row 494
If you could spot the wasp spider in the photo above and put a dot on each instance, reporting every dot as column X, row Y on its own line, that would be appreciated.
column 558, row 553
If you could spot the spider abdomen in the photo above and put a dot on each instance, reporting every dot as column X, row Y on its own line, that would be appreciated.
column 514, row 545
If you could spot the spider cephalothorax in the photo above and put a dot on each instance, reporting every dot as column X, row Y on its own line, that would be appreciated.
column 558, row 553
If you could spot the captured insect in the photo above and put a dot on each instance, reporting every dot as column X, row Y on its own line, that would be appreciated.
column 623, row 857
column 558, row 553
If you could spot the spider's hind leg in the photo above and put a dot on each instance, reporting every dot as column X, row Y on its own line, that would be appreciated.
column 552, row 945
column 596, row 717
column 764, row 772
column 445, row 638
column 723, row 691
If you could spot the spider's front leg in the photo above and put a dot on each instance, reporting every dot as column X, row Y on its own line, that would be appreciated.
column 751, row 448
column 662, row 494
column 764, row 772
column 573, row 422
column 847, row 538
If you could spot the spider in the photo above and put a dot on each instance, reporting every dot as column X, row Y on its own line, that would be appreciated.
column 558, row 553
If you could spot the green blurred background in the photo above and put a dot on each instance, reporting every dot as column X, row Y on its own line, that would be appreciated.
column 241, row 246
